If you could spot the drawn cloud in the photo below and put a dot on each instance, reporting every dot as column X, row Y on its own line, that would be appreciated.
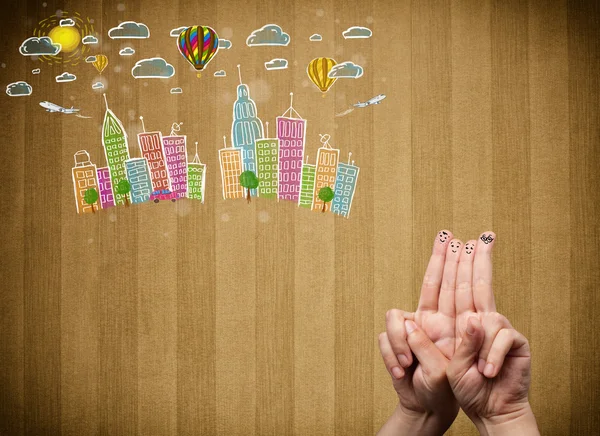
column 153, row 68
column 89, row 39
column 276, row 64
column 220, row 73
column 129, row 29
column 176, row 91
column 127, row 51
column 19, row 89
column 36, row 71
column 315, row 37
column 66, row 77
column 270, row 34
column 67, row 22
column 39, row 46
column 357, row 32
column 98, row 85
column 346, row 70
column 176, row 32
column 225, row 44
column 90, row 59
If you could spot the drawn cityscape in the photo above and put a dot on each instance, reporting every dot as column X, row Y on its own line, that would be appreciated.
column 278, row 165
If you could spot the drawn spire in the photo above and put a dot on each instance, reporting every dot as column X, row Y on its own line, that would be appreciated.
column 239, row 73
column 349, row 154
column 267, row 129
column 105, row 100
column 196, row 159
column 291, row 109
column 143, row 127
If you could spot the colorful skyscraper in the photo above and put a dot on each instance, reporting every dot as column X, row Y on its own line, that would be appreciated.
column 345, row 185
column 246, row 127
column 176, row 157
column 327, row 161
column 84, row 178
column 116, row 150
column 267, row 151
column 196, row 178
column 231, row 169
column 308, row 185
column 151, row 146
column 107, row 198
column 291, row 131
column 139, row 178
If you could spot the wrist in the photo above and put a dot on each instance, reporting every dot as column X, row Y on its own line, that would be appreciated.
column 410, row 422
column 521, row 421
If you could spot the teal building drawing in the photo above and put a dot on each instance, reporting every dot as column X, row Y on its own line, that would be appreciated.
column 345, row 185
column 307, row 186
column 116, row 150
column 138, row 175
column 246, row 128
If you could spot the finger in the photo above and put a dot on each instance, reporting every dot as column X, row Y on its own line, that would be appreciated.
column 389, row 358
column 446, row 301
column 464, row 279
column 507, row 340
column 483, row 295
column 492, row 324
column 397, row 336
column 467, row 352
column 433, row 362
column 433, row 274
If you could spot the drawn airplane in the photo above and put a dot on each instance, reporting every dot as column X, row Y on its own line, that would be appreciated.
column 375, row 100
column 51, row 107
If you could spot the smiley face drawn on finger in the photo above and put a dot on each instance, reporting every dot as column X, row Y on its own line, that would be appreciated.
column 454, row 246
column 487, row 239
column 443, row 237
column 469, row 248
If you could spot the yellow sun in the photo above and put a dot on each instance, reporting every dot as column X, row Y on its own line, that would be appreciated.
column 68, row 37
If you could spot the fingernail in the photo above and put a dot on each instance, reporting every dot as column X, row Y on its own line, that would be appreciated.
column 410, row 326
column 397, row 372
column 481, row 365
column 403, row 360
column 470, row 327
column 489, row 370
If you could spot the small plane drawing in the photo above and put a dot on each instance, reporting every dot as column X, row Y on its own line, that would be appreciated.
column 51, row 107
column 375, row 100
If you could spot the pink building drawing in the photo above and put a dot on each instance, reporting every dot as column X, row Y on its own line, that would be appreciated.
column 291, row 132
column 105, row 187
column 177, row 164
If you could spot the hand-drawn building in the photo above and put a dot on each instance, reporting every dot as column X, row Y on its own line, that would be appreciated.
column 267, row 153
column 84, row 178
column 307, row 187
column 107, row 199
column 139, row 179
column 291, row 132
column 325, row 174
column 176, row 156
column 116, row 149
column 230, row 160
column 345, row 185
column 151, row 146
column 196, row 178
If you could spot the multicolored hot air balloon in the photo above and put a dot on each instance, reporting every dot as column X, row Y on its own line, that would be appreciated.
column 100, row 63
column 198, row 44
column 318, row 71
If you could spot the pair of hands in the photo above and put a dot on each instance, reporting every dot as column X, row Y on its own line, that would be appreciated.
column 456, row 351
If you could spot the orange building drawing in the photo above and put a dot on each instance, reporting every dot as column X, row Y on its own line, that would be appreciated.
column 327, row 161
column 231, row 168
column 151, row 146
column 84, row 178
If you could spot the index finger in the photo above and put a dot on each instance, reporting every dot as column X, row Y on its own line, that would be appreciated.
column 483, row 295
column 433, row 275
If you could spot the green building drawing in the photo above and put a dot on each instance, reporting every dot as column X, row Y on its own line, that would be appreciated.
column 196, row 178
column 308, row 185
column 267, row 153
column 116, row 150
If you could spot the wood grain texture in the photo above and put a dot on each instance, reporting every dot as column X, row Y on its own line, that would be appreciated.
column 262, row 318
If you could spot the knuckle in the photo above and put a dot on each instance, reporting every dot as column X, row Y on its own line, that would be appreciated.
column 464, row 286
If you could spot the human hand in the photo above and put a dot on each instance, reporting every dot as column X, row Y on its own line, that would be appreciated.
column 490, row 370
column 426, row 403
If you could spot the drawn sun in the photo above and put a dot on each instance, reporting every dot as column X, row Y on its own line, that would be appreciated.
column 69, row 37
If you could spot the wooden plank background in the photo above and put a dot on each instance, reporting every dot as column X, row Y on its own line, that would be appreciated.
column 228, row 318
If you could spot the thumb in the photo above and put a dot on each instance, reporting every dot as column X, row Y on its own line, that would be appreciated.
column 432, row 361
column 468, row 350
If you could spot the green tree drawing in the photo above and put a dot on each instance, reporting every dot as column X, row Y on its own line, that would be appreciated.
column 325, row 195
column 123, row 188
column 249, row 181
column 90, row 197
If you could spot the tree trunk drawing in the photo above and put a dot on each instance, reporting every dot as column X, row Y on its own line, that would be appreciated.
column 248, row 196
column 93, row 210
column 126, row 200
column 324, row 207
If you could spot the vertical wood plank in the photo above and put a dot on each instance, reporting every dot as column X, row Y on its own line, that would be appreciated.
column 584, row 99
column 550, row 217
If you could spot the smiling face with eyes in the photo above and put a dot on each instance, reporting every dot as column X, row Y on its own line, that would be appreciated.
column 469, row 247
column 443, row 236
column 455, row 246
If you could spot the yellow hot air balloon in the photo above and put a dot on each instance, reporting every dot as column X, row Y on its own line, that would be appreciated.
column 100, row 63
column 318, row 70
